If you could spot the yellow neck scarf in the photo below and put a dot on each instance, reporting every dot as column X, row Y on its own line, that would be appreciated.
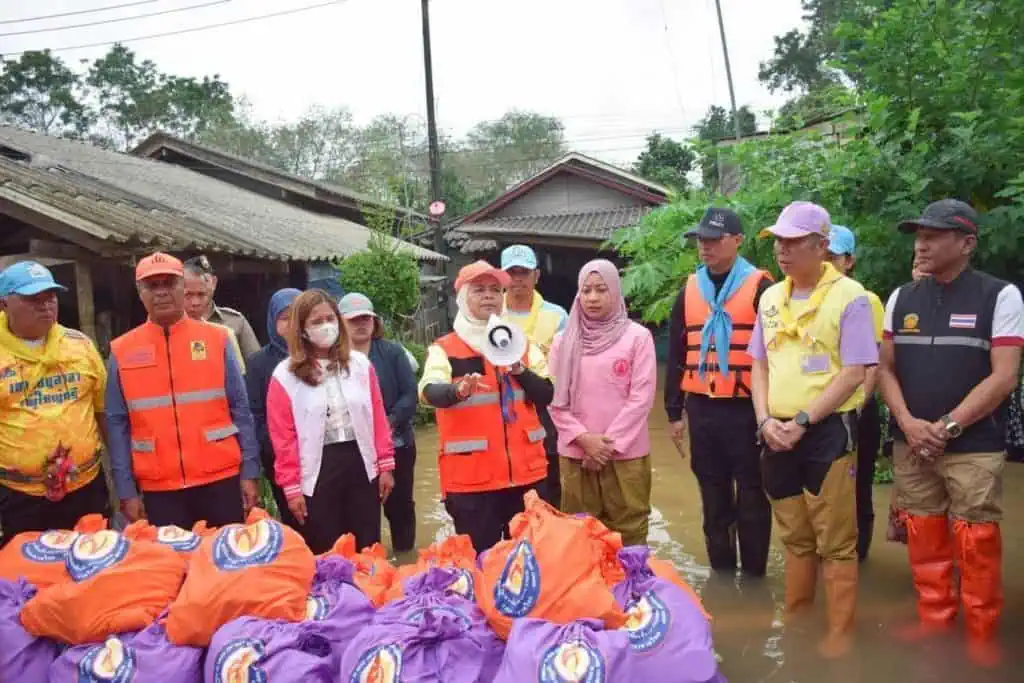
column 531, row 320
column 42, row 359
column 797, row 327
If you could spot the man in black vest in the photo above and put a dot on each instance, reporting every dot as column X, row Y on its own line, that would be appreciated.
column 949, row 360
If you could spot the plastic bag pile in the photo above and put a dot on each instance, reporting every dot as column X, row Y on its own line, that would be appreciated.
column 561, row 600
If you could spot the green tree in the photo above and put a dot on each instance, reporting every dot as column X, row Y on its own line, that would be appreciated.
column 718, row 124
column 800, row 62
column 665, row 161
column 38, row 91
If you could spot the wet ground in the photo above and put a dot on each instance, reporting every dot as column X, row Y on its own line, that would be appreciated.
column 749, row 633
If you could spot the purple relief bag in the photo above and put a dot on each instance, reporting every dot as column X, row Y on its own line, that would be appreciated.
column 670, row 637
column 582, row 650
column 130, row 658
column 429, row 636
column 260, row 650
column 23, row 657
column 336, row 604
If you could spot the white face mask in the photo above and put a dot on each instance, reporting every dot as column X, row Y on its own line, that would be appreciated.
column 323, row 335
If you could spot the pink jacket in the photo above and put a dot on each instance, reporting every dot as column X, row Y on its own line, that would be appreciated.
column 617, row 390
column 296, row 414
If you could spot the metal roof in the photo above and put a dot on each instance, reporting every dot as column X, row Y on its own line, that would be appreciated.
column 131, row 201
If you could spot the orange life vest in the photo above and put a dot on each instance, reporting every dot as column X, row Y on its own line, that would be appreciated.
column 173, row 383
column 478, row 451
column 740, row 307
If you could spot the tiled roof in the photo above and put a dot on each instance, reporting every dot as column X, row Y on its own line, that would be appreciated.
column 598, row 224
column 131, row 201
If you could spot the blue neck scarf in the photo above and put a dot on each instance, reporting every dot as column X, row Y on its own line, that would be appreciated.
column 718, row 326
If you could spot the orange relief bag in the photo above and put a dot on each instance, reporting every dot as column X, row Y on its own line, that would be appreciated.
column 552, row 568
column 38, row 557
column 180, row 540
column 260, row 569
column 374, row 574
column 115, row 585
column 454, row 552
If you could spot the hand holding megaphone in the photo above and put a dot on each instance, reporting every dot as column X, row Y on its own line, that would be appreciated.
column 468, row 384
column 504, row 343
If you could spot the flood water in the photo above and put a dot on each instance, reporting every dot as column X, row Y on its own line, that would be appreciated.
column 750, row 637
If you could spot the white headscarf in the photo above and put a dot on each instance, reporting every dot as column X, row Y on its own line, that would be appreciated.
column 470, row 329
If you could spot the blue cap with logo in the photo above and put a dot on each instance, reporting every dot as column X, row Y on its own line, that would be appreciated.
column 26, row 279
column 518, row 256
column 841, row 240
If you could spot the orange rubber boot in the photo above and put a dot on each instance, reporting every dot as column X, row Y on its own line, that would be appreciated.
column 930, row 548
column 980, row 555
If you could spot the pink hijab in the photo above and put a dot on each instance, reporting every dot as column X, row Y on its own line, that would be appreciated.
column 585, row 336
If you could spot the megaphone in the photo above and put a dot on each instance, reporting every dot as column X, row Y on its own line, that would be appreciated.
column 504, row 343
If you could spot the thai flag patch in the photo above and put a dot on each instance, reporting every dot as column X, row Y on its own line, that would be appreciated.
column 963, row 321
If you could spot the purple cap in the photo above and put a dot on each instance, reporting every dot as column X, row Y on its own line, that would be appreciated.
column 800, row 219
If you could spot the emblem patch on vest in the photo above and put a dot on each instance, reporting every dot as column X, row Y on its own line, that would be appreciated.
column 382, row 664
column 963, row 321
column 572, row 662
column 518, row 587
column 911, row 322
column 198, row 347
column 238, row 546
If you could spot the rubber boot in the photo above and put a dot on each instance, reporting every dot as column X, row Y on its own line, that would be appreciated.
column 930, row 548
column 841, row 603
column 801, row 579
column 979, row 550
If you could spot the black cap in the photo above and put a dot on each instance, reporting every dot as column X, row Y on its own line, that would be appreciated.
column 717, row 223
column 945, row 214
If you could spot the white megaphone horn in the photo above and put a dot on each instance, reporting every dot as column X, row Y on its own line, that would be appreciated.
column 504, row 343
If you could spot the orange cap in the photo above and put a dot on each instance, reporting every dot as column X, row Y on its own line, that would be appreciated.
column 479, row 269
column 158, row 264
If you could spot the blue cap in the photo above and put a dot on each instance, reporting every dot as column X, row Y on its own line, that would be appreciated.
column 27, row 278
column 518, row 256
column 841, row 240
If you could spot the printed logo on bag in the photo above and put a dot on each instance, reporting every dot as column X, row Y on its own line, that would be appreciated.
column 518, row 587
column 182, row 540
column 238, row 662
column 111, row 662
column 648, row 622
column 574, row 661
column 316, row 608
column 463, row 585
column 92, row 553
column 240, row 546
column 51, row 546
column 381, row 664
column 438, row 612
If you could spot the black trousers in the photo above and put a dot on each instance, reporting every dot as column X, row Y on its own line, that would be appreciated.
column 20, row 512
column 344, row 501
column 552, row 489
column 217, row 504
column 869, row 440
column 726, row 460
column 400, row 508
column 484, row 516
column 287, row 518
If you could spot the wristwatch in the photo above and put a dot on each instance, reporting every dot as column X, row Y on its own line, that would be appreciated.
column 802, row 419
column 952, row 428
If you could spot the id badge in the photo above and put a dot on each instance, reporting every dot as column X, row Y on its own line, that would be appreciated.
column 814, row 363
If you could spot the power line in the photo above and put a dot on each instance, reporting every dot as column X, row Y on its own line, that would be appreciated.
column 167, row 34
column 76, row 13
column 116, row 20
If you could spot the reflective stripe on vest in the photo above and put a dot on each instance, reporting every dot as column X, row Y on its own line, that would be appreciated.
column 478, row 450
column 184, row 398
column 972, row 342
column 740, row 307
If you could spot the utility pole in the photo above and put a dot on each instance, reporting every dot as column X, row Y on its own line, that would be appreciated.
column 728, row 69
column 435, row 153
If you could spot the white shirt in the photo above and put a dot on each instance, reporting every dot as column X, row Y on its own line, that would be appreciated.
column 338, row 419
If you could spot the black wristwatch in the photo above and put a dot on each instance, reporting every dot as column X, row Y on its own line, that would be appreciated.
column 802, row 419
column 952, row 428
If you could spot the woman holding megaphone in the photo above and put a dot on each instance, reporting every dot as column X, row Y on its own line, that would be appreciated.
column 491, row 440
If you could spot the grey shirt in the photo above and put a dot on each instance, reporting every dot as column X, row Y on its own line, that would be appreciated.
column 231, row 318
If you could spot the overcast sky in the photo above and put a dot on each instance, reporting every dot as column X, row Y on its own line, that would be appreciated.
column 612, row 70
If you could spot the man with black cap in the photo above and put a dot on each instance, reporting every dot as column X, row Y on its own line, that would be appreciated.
column 949, row 361
column 716, row 310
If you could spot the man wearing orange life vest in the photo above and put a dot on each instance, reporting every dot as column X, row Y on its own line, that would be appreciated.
column 181, row 433
column 491, row 439
column 716, row 310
